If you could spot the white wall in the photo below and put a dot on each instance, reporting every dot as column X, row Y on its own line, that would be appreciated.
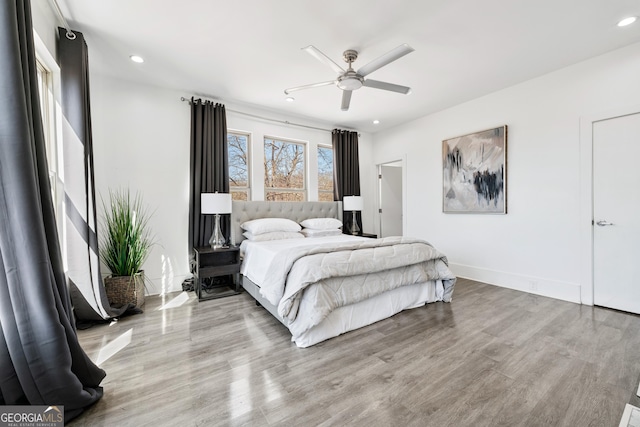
column 536, row 246
column 45, row 23
column 141, row 141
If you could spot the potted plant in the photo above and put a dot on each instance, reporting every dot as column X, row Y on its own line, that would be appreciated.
column 125, row 245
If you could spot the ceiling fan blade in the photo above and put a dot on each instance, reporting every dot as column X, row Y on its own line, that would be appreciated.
column 293, row 89
column 346, row 100
column 386, row 86
column 385, row 59
column 316, row 53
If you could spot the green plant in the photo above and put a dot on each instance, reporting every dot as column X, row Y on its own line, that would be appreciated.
column 127, row 239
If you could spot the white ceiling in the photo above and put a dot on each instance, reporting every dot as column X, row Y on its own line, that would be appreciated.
column 249, row 51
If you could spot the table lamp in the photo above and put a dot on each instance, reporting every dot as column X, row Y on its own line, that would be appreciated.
column 353, row 204
column 216, row 203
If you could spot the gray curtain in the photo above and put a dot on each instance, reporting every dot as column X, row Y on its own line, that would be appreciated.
column 346, row 171
column 209, row 167
column 41, row 361
column 85, row 280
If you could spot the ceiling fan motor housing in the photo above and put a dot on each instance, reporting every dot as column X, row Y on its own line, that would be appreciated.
column 350, row 80
column 350, row 56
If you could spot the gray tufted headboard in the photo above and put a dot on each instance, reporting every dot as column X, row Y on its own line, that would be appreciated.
column 296, row 211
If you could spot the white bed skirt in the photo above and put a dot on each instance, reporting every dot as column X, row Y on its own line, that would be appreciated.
column 363, row 313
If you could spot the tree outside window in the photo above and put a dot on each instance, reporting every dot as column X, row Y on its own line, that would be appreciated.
column 284, row 170
column 238, row 147
column 325, row 174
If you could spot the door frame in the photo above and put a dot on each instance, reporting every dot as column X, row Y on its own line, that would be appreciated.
column 403, row 162
column 586, row 196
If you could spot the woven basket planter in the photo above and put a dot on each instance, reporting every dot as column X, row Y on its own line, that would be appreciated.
column 123, row 290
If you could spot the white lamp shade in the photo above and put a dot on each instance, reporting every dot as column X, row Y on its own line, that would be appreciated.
column 215, row 203
column 352, row 203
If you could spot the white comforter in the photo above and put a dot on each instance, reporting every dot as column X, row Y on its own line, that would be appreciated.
column 316, row 279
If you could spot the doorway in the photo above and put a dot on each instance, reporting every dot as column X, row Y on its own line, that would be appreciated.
column 390, row 198
column 616, row 202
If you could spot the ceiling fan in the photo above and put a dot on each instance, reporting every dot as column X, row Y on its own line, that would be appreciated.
column 349, row 80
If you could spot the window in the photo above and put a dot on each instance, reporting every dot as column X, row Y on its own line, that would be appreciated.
column 238, row 145
column 325, row 174
column 45, row 92
column 284, row 170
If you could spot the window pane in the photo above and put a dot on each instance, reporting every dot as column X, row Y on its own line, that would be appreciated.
column 238, row 160
column 325, row 172
column 325, row 197
column 45, row 85
column 276, row 196
column 239, row 195
column 44, row 88
column 284, row 165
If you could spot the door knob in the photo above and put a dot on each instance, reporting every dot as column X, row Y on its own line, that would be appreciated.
column 603, row 223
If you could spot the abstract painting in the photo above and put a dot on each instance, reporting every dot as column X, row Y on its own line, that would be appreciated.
column 474, row 172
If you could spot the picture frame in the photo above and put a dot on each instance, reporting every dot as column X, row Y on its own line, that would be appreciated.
column 474, row 172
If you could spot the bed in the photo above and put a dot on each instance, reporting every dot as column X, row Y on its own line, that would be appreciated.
column 322, row 287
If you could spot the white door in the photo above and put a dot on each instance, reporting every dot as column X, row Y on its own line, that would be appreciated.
column 616, row 213
column 390, row 179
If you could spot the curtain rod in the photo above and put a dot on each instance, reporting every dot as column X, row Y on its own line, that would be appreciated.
column 255, row 116
column 70, row 34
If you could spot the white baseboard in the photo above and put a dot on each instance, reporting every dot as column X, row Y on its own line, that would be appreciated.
column 161, row 286
column 535, row 285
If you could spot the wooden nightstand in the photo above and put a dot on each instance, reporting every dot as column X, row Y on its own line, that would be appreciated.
column 222, row 266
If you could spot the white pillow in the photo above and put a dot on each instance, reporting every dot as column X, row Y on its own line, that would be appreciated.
column 322, row 223
column 273, row 235
column 309, row 232
column 268, row 225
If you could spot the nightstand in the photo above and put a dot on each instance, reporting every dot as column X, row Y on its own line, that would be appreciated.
column 369, row 235
column 222, row 266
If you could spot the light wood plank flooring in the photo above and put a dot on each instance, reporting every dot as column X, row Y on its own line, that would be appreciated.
column 493, row 357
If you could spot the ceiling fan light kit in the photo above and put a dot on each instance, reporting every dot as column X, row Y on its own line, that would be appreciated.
column 349, row 80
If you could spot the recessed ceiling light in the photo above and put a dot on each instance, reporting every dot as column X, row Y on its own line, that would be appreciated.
column 136, row 58
column 290, row 99
column 627, row 21
column 375, row 122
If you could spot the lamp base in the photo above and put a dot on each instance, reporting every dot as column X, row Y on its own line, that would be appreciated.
column 217, row 240
column 355, row 230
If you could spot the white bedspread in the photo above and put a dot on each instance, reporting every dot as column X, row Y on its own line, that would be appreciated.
column 258, row 256
column 341, row 271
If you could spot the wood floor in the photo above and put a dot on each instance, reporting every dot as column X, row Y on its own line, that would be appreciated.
column 493, row 357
